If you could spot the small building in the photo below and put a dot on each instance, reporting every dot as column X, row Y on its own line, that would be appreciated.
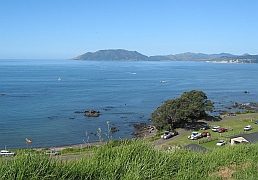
column 244, row 138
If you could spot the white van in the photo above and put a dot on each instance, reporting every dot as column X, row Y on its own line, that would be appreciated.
column 215, row 128
column 6, row 153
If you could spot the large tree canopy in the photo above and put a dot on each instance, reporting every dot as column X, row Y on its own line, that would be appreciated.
column 190, row 107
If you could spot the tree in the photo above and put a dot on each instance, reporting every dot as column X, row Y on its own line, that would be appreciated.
column 190, row 107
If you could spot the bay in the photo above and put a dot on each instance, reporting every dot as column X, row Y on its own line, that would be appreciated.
column 38, row 106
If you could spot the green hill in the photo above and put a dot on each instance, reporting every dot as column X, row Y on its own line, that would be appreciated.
column 112, row 55
column 137, row 160
column 124, row 55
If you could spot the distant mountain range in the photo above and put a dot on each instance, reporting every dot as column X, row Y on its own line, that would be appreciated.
column 124, row 55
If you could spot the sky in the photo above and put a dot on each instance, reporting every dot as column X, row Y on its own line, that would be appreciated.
column 63, row 29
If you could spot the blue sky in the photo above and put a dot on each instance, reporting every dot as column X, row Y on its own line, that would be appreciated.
column 62, row 29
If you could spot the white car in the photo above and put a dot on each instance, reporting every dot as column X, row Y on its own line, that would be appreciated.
column 6, row 153
column 221, row 143
column 166, row 135
column 195, row 135
column 215, row 128
column 247, row 128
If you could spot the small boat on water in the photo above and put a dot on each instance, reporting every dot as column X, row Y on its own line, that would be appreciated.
column 163, row 81
column 28, row 141
column 59, row 79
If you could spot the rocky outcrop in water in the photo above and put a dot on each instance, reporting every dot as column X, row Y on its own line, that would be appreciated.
column 92, row 113
column 114, row 129
column 89, row 113
column 247, row 106
column 143, row 130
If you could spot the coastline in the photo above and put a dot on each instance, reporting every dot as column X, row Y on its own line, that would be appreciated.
column 81, row 145
column 142, row 131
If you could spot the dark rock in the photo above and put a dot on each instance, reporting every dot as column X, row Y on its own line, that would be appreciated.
column 89, row 113
column 113, row 129
column 141, row 129
column 235, row 105
column 95, row 114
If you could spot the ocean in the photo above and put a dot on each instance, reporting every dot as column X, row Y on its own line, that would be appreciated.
column 39, row 97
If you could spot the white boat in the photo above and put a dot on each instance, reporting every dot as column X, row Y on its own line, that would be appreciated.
column 59, row 79
column 163, row 81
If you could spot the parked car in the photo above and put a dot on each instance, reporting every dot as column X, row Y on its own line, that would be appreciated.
column 6, row 153
column 205, row 134
column 248, row 128
column 256, row 122
column 195, row 135
column 168, row 134
column 221, row 143
column 52, row 152
column 221, row 130
column 215, row 128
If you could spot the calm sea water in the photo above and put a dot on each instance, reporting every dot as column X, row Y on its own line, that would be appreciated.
column 35, row 105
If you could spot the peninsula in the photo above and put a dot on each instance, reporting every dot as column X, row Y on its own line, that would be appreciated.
column 125, row 55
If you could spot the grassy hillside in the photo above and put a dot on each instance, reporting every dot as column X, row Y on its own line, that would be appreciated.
column 137, row 160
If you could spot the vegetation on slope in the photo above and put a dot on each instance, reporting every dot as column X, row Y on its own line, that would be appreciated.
column 189, row 107
column 137, row 160
column 125, row 55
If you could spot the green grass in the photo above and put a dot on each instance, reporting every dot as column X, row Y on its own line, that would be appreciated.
column 84, row 150
column 139, row 161
column 236, row 126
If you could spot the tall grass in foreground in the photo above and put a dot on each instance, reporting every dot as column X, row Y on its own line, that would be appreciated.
column 137, row 160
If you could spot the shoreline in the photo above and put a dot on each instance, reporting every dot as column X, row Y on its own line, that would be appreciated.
column 81, row 145
column 142, row 131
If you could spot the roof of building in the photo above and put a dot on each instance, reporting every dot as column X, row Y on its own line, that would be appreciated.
column 196, row 147
column 252, row 138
